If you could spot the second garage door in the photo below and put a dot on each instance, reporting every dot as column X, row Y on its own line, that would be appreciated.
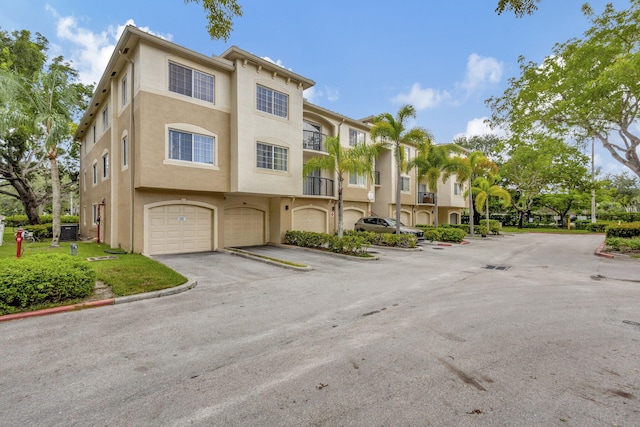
column 350, row 217
column 308, row 219
column 243, row 227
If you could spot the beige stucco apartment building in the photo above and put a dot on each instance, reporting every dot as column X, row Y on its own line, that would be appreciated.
column 183, row 152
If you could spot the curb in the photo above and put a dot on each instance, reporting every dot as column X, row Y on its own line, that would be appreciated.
column 599, row 252
column 101, row 303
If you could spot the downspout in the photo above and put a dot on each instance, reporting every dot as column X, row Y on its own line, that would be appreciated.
column 132, row 161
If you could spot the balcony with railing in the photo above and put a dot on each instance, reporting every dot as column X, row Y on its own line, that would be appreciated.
column 316, row 186
column 312, row 140
column 426, row 198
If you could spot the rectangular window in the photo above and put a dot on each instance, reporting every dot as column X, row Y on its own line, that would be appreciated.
column 456, row 189
column 272, row 157
column 105, row 118
column 406, row 183
column 272, row 102
column 95, row 173
column 188, row 82
column 105, row 166
column 94, row 215
column 191, row 147
column 123, row 90
column 356, row 137
column 125, row 151
column 84, row 180
column 94, row 134
column 356, row 179
column 407, row 153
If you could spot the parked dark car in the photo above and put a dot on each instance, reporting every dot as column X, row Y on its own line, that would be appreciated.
column 385, row 225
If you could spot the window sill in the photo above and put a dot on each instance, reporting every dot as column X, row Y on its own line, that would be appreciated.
column 171, row 162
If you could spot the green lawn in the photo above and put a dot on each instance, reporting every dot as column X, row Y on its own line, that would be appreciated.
column 128, row 274
column 545, row 230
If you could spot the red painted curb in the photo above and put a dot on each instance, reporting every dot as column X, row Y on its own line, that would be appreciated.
column 444, row 244
column 602, row 254
column 54, row 310
column 464, row 242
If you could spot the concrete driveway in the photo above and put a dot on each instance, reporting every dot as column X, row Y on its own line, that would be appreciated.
column 521, row 330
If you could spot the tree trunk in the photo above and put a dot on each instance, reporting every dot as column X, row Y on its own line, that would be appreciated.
column 488, row 228
column 471, row 212
column 55, row 202
column 398, row 187
column 435, row 208
column 340, row 208
column 25, row 193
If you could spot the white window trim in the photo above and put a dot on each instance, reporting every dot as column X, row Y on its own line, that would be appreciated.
column 124, row 90
column 358, row 185
column 272, row 114
column 124, row 151
column 94, row 214
column 106, row 122
column 193, row 98
column 188, row 128
column 409, row 178
column 105, row 171
column 271, row 170
column 94, row 173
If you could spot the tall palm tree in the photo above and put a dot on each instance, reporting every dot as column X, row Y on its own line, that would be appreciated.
column 434, row 162
column 486, row 187
column 341, row 160
column 391, row 131
column 477, row 164
column 48, row 101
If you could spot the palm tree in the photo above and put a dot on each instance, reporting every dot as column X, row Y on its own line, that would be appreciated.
column 434, row 162
column 48, row 102
column 477, row 164
column 389, row 130
column 486, row 187
column 341, row 160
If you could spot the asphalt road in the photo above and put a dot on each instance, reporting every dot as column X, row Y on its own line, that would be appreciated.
column 432, row 338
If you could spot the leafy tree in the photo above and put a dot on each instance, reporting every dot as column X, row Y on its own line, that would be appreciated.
column 484, row 188
column 519, row 7
column 20, row 159
column 433, row 162
column 220, row 14
column 542, row 165
column 391, row 131
column 492, row 146
column 586, row 89
column 625, row 189
column 342, row 161
column 562, row 203
column 46, row 103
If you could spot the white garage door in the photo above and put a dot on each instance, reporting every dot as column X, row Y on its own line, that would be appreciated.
column 310, row 220
column 349, row 218
column 174, row 229
column 243, row 227
column 423, row 218
column 405, row 218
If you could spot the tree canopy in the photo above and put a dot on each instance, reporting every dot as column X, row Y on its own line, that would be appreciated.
column 587, row 89
column 220, row 15
column 519, row 7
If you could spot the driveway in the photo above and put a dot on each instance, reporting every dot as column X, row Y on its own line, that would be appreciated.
column 517, row 330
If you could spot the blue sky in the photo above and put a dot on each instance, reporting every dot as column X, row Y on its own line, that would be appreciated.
column 367, row 57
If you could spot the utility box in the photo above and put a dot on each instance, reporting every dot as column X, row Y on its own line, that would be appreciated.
column 68, row 232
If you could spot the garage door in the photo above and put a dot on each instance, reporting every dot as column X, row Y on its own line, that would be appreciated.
column 405, row 218
column 173, row 229
column 350, row 217
column 310, row 220
column 243, row 227
column 423, row 218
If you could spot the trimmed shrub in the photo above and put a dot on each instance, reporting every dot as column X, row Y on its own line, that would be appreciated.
column 627, row 230
column 586, row 224
column 450, row 234
column 432, row 234
column 43, row 279
column 40, row 231
column 351, row 243
column 619, row 216
column 623, row 245
column 22, row 221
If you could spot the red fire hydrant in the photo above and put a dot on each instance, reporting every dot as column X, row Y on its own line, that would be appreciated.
column 19, row 243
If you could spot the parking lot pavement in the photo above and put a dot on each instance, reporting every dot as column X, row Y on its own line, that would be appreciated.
column 435, row 337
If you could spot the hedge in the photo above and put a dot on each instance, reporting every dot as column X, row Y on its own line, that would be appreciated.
column 623, row 245
column 586, row 224
column 43, row 279
column 619, row 216
column 628, row 230
column 352, row 242
column 22, row 220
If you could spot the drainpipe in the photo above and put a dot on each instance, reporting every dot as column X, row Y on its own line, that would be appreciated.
column 132, row 158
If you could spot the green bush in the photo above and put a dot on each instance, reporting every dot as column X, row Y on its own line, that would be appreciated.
column 43, row 279
column 627, row 230
column 353, row 243
column 432, row 234
column 21, row 220
column 586, row 224
column 619, row 216
column 623, row 245
column 450, row 234
column 40, row 231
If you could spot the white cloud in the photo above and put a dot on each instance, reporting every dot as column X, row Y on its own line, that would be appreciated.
column 481, row 71
column 90, row 51
column 277, row 62
column 314, row 95
column 422, row 99
column 479, row 127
